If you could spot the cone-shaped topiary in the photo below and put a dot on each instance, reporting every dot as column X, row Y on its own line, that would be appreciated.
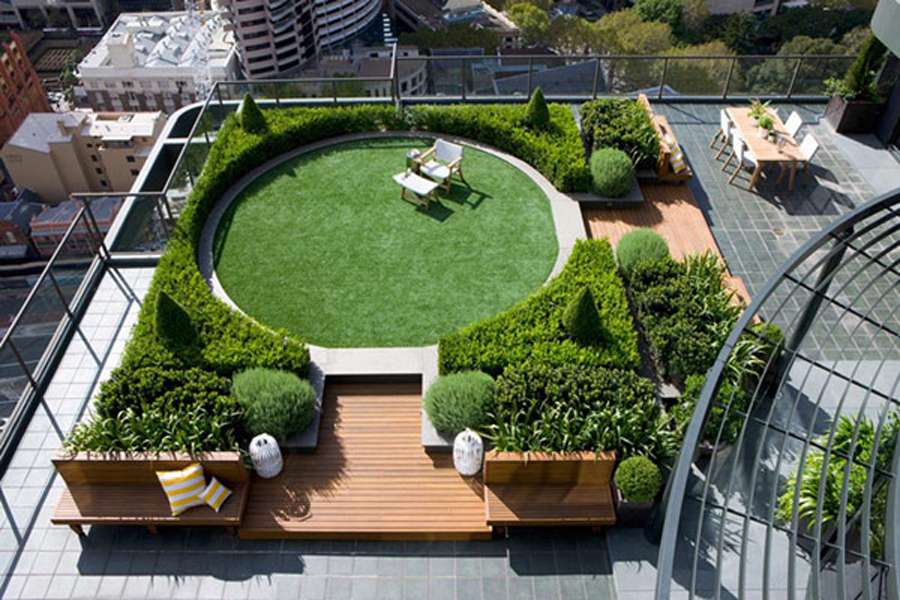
column 173, row 325
column 537, row 114
column 581, row 318
column 252, row 119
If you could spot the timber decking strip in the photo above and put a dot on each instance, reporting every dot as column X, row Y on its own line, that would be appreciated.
column 672, row 212
column 369, row 477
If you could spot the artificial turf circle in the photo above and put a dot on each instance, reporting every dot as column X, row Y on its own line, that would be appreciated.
column 323, row 246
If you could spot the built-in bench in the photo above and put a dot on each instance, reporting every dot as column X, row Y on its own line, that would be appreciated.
column 668, row 146
column 123, row 489
column 549, row 489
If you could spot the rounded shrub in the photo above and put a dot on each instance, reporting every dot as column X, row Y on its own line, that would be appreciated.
column 612, row 171
column 640, row 245
column 638, row 479
column 581, row 318
column 537, row 114
column 459, row 400
column 252, row 118
column 275, row 402
column 173, row 324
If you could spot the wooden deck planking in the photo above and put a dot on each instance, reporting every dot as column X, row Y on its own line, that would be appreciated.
column 672, row 212
column 369, row 478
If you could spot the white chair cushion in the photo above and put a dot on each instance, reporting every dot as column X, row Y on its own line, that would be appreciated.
column 436, row 170
column 446, row 152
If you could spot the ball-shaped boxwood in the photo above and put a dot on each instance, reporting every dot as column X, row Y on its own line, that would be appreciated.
column 459, row 400
column 640, row 245
column 275, row 402
column 612, row 171
column 638, row 479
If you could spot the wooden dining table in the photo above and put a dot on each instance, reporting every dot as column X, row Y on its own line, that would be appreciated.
column 784, row 151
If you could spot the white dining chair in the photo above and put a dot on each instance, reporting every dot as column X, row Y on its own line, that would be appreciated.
column 793, row 124
column 745, row 158
column 808, row 148
column 723, row 133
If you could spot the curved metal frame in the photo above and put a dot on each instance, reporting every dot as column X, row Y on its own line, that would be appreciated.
column 872, row 234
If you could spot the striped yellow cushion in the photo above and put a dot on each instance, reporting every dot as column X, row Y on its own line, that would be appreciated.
column 215, row 494
column 677, row 161
column 183, row 487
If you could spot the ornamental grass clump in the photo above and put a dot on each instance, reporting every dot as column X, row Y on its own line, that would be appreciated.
column 581, row 318
column 638, row 479
column 640, row 245
column 460, row 400
column 612, row 172
column 537, row 115
column 275, row 402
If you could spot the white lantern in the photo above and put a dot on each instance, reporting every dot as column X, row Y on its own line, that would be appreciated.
column 266, row 456
column 468, row 453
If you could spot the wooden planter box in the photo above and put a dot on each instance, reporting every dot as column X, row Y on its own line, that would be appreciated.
column 537, row 489
column 853, row 116
column 122, row 489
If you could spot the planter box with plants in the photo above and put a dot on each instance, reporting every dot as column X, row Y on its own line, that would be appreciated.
column 638, row 482
column 855, row 105
column 614, row 180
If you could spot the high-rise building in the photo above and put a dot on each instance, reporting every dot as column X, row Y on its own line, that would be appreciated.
column 21, row 92
column 41, row 14
column 155, row 61
column 275, row 37
column 57, row 154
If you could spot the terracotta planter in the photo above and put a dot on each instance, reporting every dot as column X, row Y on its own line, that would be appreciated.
column 632, row 514
column 853, row 116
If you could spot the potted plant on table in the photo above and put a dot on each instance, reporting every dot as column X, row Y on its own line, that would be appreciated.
column 637, row 484
column 766, row 126
column 855, row 105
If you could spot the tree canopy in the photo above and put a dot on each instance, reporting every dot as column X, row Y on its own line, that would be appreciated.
column 663, row 11
column 533, row 22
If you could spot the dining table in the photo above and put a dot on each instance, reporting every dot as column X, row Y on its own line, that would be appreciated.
column 783, row 150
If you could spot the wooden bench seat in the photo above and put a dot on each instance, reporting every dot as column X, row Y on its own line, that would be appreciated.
column 103, row 489
column 549, row 489
column 668, row 144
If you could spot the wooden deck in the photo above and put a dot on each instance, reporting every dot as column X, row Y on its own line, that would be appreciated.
column 369, row 478
column 669, row 210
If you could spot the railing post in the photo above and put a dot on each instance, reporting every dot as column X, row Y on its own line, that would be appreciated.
column 728, row 79
column 790, row 90
column 59, row 293
column 395, row 83
column 219, row 96
column 105, row 255
column 22, row 364
column 530, row 69
column 662, row 78
column 596, row 79
column 277, row 96
column 462, row 77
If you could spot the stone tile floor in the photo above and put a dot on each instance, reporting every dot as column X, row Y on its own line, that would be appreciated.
column 39, row 560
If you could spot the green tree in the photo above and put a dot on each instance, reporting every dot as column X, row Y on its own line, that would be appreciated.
column 701, row 77
column 456, row 35
column 774, row 76
column 533, row 23
column 571, row 35
column 663, row 11
column 694, row 14
column 854, row 39
column 67, row 77
column 624, row 32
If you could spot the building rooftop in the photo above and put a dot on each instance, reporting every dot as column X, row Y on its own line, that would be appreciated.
column 162, row 40
column 40, row 130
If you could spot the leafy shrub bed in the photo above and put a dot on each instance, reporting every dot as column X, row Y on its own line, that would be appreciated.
column 533, row 329
column 226, row 341
column 623, row 124
column 274, row 402
column 460, row 400
column 555, row 150
column 570, row 407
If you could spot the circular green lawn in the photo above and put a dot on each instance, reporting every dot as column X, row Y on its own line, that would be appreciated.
column 323, row 246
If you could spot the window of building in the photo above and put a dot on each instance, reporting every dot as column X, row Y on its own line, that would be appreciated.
column 99, row 171
column 95, row 158
column 128, row 84
column 104, row 183
column 129, row 159
column 134, row 172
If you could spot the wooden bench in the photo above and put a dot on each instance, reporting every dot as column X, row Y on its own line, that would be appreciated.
column 122, row 489
column 549, row 489
column 667, row 145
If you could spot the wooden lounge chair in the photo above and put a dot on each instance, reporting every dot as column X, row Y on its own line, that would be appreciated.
column 441, row 162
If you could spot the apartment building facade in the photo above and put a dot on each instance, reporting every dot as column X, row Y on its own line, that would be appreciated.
column 275, row 37
column 21, row 92
column 57, row 154
column 156, row 61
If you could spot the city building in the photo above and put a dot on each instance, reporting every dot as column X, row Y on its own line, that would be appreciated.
column 49, row 227
column 44, row 14
column 373, row 62
column 156, row 61
column 482, row 15
column 21, row 92
column 57, row 154
column 15, row 226
column 276, row 37
column 769, row 7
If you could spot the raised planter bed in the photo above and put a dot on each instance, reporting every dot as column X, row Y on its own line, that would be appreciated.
column 633, row 198
column 308, row 439
column 853, row 116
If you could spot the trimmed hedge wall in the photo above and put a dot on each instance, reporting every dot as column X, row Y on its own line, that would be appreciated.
column 623, row 124
column 556, row 151
column 533, row 328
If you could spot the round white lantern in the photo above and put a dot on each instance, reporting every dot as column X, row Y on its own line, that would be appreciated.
column 266, row 456
column 468, row 453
